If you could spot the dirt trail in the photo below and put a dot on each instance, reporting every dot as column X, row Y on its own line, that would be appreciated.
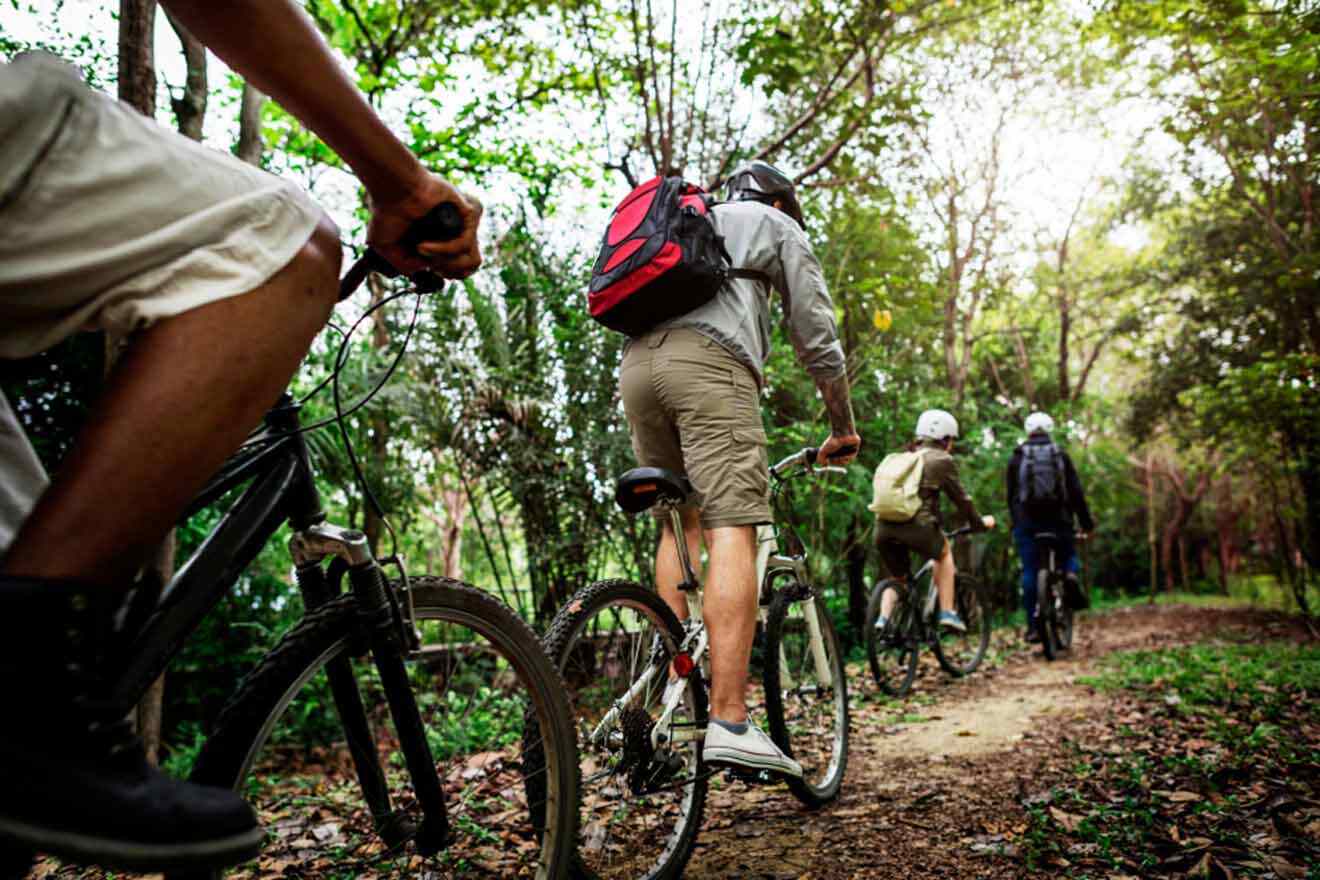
column 933, row 786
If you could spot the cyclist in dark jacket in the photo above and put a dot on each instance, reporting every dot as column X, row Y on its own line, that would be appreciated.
column 1033, row 515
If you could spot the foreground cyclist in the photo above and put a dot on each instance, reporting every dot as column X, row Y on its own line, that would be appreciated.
column 220, row 275
column 1044, row 495
column 691, row 390
column 924, row 533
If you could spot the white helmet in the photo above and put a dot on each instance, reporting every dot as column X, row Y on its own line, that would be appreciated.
column 936, row 424
column 1039, row 421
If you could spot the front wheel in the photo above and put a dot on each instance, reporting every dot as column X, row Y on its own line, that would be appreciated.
column 484, row 689
column 960, row 653
column 806, row 694
column 891, row 650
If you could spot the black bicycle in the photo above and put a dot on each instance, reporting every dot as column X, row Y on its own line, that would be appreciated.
column 894, row 649
column 1054, row 607
column 462, row 678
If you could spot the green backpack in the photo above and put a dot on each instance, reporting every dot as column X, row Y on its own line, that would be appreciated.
column 897, row 486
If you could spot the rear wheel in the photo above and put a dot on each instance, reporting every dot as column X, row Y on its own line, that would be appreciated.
column 806, row 694
column 960, row 653
column 1048, row 606
column 484, row 688
column 642, row 800
column 891, row 652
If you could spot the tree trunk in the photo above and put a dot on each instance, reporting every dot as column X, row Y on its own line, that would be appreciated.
column 1225, row 527
column 250, row 144
column 137, row 69
column 190, row 107
column 137, row 87
column 857, row 594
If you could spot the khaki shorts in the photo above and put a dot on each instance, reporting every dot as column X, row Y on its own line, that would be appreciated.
column 109, row 221
column 695, row 409
column 896, row 540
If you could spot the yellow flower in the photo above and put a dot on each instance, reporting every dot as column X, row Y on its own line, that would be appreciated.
column 883, row 319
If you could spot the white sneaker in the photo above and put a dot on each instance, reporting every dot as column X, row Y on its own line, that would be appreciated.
column 752, row 750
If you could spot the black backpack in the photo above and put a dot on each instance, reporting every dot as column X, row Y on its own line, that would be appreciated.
column 1042, row 487
column 659, row 258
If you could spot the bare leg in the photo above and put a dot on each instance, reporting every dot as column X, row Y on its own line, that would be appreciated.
column 730, row 611
column 668, row 569
column 945, row 571
column 889, row 598
column 181, row 399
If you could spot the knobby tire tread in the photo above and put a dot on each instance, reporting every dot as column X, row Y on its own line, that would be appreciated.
column 558, row 641
column 972, row 587
column 810, row 795
column 260, row 692
column 881, row 674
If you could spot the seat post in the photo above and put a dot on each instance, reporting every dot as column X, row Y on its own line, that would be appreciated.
column 689, row 583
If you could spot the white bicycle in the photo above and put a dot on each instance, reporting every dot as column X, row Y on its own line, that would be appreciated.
column 637, row 686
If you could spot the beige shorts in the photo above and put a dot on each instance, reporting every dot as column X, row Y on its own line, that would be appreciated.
column 109, row 221
column 695, row 409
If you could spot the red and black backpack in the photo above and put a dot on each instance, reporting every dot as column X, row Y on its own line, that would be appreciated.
column 660, row 258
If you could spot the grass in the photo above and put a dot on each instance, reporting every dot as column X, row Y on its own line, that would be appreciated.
column 1210, row 745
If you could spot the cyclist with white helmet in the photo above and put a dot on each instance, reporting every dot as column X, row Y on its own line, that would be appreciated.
column 924, row 533
column 1044, row 495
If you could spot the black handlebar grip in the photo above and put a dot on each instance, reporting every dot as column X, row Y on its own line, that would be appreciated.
column 441, row 223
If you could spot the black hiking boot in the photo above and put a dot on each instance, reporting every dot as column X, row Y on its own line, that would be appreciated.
column 1073, row 594
column 73, row 779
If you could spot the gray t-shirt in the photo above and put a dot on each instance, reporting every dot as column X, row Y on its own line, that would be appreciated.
column 766, row 239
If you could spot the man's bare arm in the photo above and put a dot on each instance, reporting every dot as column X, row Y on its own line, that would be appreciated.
column 843, row 432
column 276, row 46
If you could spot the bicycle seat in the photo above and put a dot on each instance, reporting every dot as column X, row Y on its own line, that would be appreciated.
column 644, row 487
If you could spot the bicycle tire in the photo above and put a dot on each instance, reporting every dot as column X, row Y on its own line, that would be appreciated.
column 1065, row 627
column 335, row 631
column 619, row 843
column 1046, row 609
column 892, row 655
column 971, row 607
column 787, row 704
column 15, row 862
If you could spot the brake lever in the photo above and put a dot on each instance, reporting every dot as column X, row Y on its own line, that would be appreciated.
column 441, row 223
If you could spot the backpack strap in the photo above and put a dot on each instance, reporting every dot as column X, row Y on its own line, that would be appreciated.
column 749, row 274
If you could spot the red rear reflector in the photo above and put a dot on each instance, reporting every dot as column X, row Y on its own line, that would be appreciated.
column 643, row 487
column 683, row 664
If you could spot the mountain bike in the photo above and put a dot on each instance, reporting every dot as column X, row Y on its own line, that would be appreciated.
column 459, row 676
column 637, row 679
column 893, row 651
column 1054, row 614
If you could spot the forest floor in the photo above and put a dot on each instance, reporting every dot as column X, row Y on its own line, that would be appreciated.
column 1172, row 741
column 980, row 777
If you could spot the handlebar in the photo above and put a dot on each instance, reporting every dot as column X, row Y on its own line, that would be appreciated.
column 441, row 223
column 806, row 459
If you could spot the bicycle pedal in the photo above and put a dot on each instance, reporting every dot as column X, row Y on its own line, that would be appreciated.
column 750, row 777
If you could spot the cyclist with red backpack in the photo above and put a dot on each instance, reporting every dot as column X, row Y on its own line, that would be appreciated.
column 1044, row 495
column 689, row 281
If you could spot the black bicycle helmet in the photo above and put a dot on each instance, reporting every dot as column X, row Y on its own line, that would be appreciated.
column 763, row 182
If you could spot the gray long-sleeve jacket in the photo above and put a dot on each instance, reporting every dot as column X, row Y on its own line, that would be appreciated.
column 760, row 237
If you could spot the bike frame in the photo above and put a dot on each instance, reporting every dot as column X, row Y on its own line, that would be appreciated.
column 282, row 488
column 773, row 563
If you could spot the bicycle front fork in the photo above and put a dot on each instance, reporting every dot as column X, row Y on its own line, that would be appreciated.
column 381, row 625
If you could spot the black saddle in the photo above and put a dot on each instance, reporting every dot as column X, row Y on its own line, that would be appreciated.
column 641, row 488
